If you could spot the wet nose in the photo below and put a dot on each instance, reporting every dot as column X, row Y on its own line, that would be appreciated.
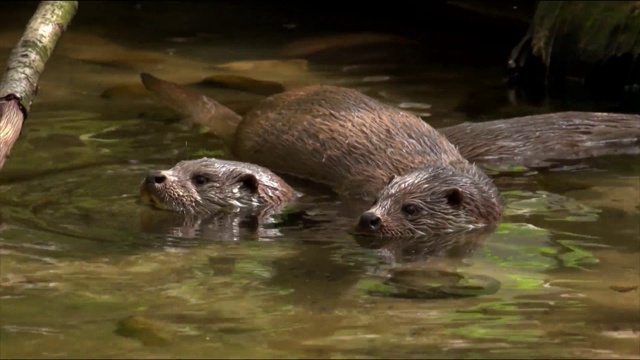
column 155, row 177
column 370, row 221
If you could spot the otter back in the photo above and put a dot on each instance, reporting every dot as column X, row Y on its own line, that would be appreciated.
column 339, row 137
column 539, row 140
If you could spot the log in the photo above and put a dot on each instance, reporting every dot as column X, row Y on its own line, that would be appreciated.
column 19, row 83
column 595, row 44
column 589, row 31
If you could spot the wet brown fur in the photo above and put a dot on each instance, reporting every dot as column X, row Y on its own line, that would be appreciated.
column 538, row 140
column 209, row 185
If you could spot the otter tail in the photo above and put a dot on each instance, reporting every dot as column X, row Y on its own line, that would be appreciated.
column 539, row 140
column 203, row 110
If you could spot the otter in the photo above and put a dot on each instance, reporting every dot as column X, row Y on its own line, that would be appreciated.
column 208, row 185
column 360, row 147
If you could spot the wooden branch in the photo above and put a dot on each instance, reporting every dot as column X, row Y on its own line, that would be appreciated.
column 10, row 125
column 19, row 83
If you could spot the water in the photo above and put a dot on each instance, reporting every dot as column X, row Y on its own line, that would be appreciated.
column 88, row 272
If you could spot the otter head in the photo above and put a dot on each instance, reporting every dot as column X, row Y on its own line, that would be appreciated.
column 433, row 201
column 209, row 185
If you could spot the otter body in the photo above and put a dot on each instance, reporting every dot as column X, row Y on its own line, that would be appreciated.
column 360, row 147
column 540, row 140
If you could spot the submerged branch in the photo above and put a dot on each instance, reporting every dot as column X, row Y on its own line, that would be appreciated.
column 19, row 83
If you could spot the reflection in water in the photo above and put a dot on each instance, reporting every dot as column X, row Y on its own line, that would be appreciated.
column 222, row 226
column 263, row 224
column 423, row 249
column 429, row 267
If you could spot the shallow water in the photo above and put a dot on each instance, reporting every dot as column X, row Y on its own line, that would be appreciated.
column 88, row 272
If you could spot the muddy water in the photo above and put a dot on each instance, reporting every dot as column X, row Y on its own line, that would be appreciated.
column 87, row 272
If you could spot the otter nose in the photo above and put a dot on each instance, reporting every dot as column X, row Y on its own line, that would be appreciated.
column 155, row 177
column 370, row 221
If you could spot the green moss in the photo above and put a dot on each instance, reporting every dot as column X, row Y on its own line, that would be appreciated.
column 592, row 30
column 209, row 153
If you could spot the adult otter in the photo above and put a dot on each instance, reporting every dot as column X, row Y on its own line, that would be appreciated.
column 354, row 143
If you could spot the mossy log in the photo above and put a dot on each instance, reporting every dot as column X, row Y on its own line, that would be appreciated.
column 591, row 31
column 19, row 83
column 572, row 39
column 579, row 50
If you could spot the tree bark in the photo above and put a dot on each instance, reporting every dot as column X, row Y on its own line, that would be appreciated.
column 19, row 83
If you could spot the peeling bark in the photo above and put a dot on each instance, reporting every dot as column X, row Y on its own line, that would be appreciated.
column 10, row 125
column 19, row 83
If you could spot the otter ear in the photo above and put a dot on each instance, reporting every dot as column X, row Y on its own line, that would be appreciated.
column 249, row 182
column 454, row 197
column 391, row 178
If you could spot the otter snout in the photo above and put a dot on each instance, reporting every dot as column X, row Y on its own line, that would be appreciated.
column 369, row 222
column 153, row 186
column 155, row 177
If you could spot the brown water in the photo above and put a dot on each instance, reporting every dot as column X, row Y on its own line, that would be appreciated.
column 79, row 257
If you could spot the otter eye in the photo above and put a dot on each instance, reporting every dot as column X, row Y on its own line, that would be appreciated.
column 375, row 201
column 199, row 180
column 409, row 209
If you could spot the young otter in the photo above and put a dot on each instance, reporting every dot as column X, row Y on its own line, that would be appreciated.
column 207, row 185
column 354, row 143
